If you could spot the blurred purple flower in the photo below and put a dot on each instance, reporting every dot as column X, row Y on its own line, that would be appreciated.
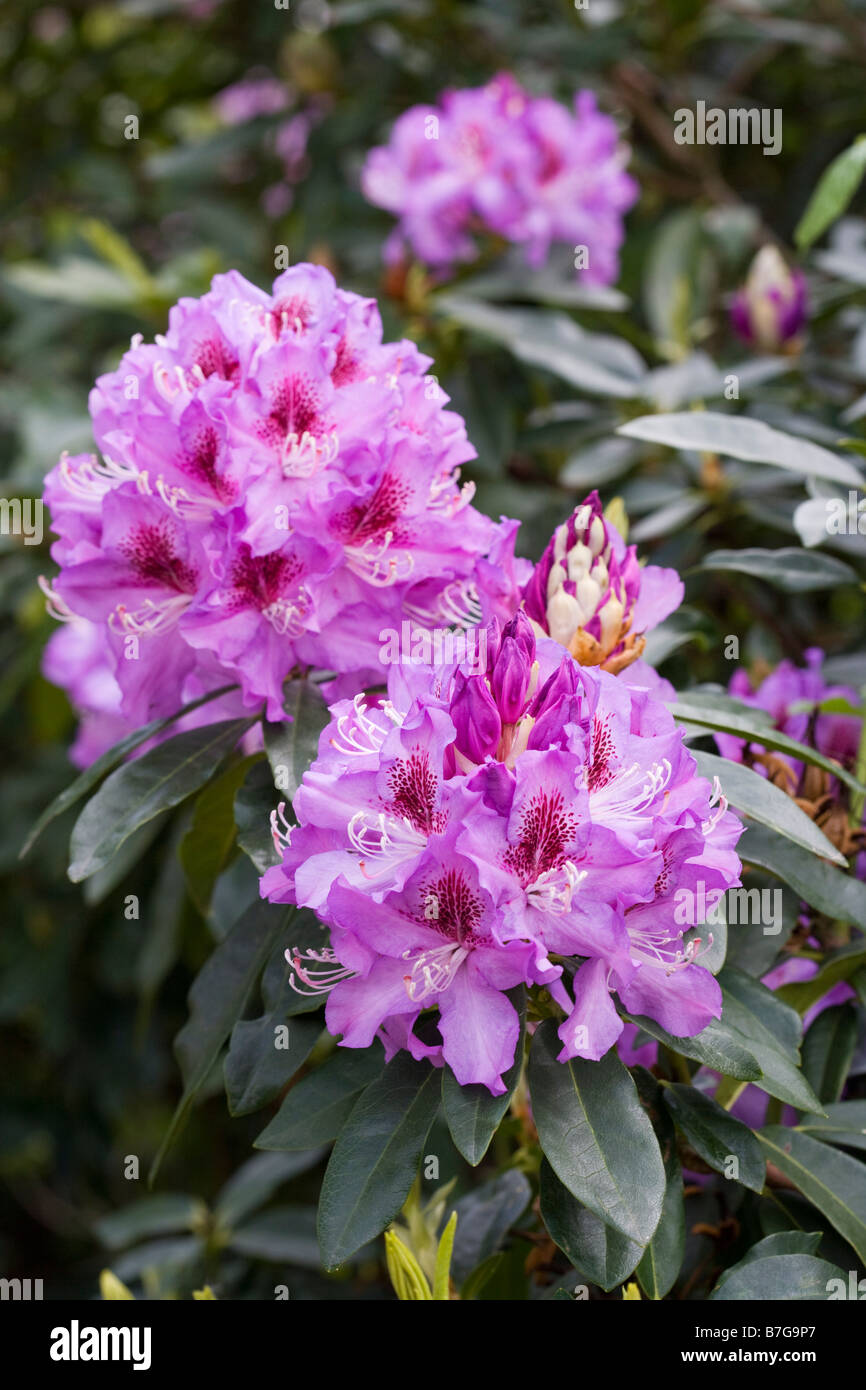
column 495, row 158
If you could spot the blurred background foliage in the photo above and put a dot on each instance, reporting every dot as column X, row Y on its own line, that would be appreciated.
column 100, row 235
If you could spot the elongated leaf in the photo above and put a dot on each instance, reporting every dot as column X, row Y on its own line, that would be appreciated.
column 771, row 1031
column 717, row 1046
column 484, row 1217
column 156, row 1215
column 755, row 796
column 263, row 1056
column 596, row 1135
column 217, row 999
column 662, row 1260
column 208, row 844
column 716, row 1135
column 833, row 1181
column 257, row 1181
column 376, row 1156
column 837, row 894
column 738, row 437
column 594, row 362
column 754, row 729
column 778, row 1279
column 790, row 569
column 836, row 187
column 473, row 1114
column 283, row 1235
column 292, row 746
column 314, row 1110
column 254, row 802
column 828, row 1048
column 109, row 760
column 599, row 1253
column 844, row 1123
column 136, row 792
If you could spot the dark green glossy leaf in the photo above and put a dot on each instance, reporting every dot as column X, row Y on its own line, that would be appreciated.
column 600, row 1254
column 834, row 1181
column 716, row 1135
column 484, row 1217
column 828, row 1048
column 217, row 999
column 136, row 792
column 597, row 1136
column 376, row 1157
column 314, row 1110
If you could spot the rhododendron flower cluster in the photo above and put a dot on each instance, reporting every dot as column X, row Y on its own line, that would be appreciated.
column 495, row 158
column 276, row 486
column 469, row 833
column 589, row 593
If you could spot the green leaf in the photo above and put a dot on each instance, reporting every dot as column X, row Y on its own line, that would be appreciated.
column 218, row 997
column 444, row 1252
column 837, row 894
column 737, row 436
column 314, row 1110
column 473, row 1114
column 263, row 1057
column 717, row 1046
column 771, row 1031
column 596, row 1135
column 755, row 796
column 254, row 802
column 107, row 762
column 600, row 1254
column 256, row 1181
column 292, row 746
column 828, row 1048
column 716, row 1135
column 833, row 1181
column 662, row 1260
column 835, row 189
column 283, row 1235
column 840, row 965
column 754, row 729
column 777, row 1279
column 791, row 569
column 484, row 1217
column 157, row 1215
column 137, row 791
column 209, row 842
column 376, row 1156
column 597, row 363
column 844, row 1123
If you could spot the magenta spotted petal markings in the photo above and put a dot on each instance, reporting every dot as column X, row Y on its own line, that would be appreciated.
column 467, row 833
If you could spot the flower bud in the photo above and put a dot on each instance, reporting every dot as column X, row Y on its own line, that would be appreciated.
column 770, row 309
column 476, row 718
column 584, row 590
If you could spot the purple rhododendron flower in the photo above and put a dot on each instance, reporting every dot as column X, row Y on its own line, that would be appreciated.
column 473, row 831
column 589, row 593
column 495, row 158
column 791, row 694
column 771, row 308
column 277, row 486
